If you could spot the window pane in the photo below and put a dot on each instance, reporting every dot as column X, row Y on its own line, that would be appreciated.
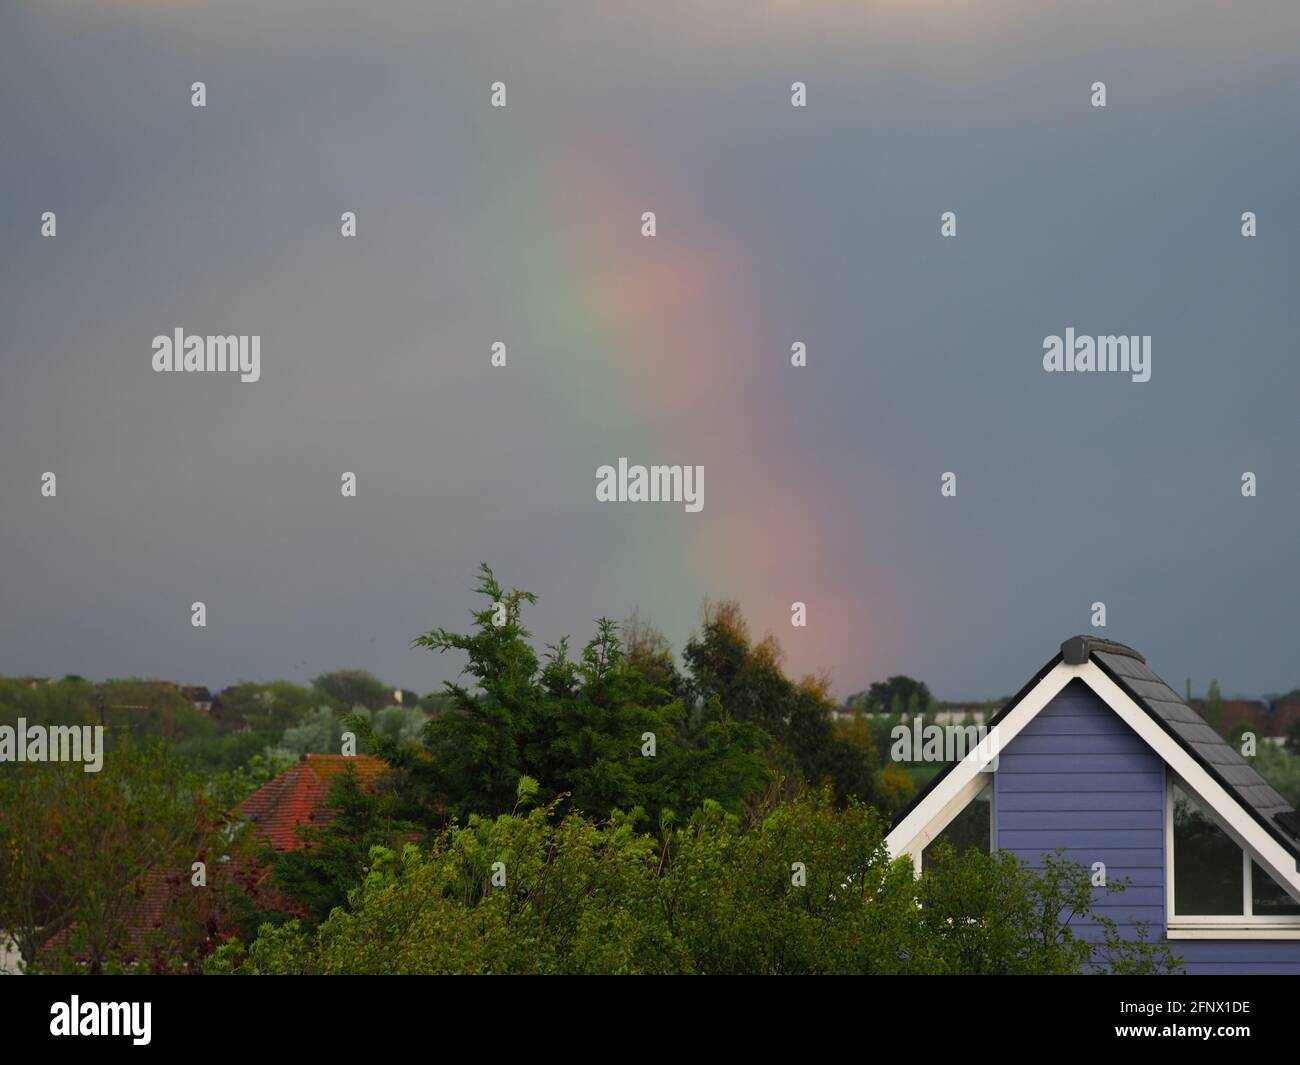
column 972, row 829
column 1267, row 898
column 1207, row 863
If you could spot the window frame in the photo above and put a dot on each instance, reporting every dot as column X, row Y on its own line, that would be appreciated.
column 1228, row 926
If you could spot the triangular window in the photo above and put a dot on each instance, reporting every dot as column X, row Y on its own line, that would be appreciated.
column 972, row 829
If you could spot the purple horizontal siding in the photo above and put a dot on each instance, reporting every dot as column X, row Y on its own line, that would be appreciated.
column 1053, row 745
column 1036, row 839
column 1135, row 801
column 1228, row 956
column 1076, row 782
column 1116, row 860
column 1077, row 777
column 1056, row 819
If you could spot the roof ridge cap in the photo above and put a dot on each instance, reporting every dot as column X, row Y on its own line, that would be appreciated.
column 1078, row 649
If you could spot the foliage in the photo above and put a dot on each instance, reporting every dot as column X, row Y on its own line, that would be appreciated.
column 1213, row 709
column 319, row 877
column 215, row 755
column 895, row 788
column 226, row 790
column 744, row 681
column 321, row 731
column 1293, row 741
column 238, row 898
column 263, row 707
column 344, row 689
column 543, row 892
column 77, row 848
column 992, row 914
column 897, row 695
column 595, row 730
column 134, row 707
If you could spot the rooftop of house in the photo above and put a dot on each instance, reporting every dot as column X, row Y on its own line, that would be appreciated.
column 1128, row 669
column 1215, row 754
column 300, row 796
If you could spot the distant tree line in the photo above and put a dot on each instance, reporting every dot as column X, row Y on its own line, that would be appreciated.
column 607, row 809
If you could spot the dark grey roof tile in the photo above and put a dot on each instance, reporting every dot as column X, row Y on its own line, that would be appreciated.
column 1171, row 711
column 1127, row 666
column 1194, row 731
column 1154, row 690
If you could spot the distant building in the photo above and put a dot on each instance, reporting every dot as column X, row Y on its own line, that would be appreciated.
column 199, row 698
column 10, row 959
column 1261, row 717
column 1285, row 714
column 300, row 796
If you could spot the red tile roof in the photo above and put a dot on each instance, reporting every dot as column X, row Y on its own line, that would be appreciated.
column 148, row 902
column 300, row 796
column 1284, row 715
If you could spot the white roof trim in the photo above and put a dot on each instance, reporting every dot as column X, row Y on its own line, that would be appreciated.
column 917, row 824
column 1240, row 823
column 1262, row 846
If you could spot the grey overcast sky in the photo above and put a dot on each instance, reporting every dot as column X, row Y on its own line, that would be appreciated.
column 774, row 225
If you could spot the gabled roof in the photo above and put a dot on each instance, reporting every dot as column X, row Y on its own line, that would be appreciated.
column 1219, row 757
column 300, row 796
column 1127, row 670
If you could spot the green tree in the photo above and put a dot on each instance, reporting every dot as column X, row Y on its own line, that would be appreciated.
column 1213, row 709
column 1293, row 738
column 746, row 682
column 81, row 847
column 897, row 695
column 228, row 788
column 322, row 874
column 594, row 729
column 805, row 887
column 321, row 731
column 344, row 689
column 35, row 896
column 270, row 707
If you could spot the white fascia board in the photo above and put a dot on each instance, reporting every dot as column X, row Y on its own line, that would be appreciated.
column 925, row 821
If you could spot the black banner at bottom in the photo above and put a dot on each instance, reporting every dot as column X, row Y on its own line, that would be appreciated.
column 341, row 1014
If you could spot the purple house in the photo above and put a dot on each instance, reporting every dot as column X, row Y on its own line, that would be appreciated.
column 1099, row 757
